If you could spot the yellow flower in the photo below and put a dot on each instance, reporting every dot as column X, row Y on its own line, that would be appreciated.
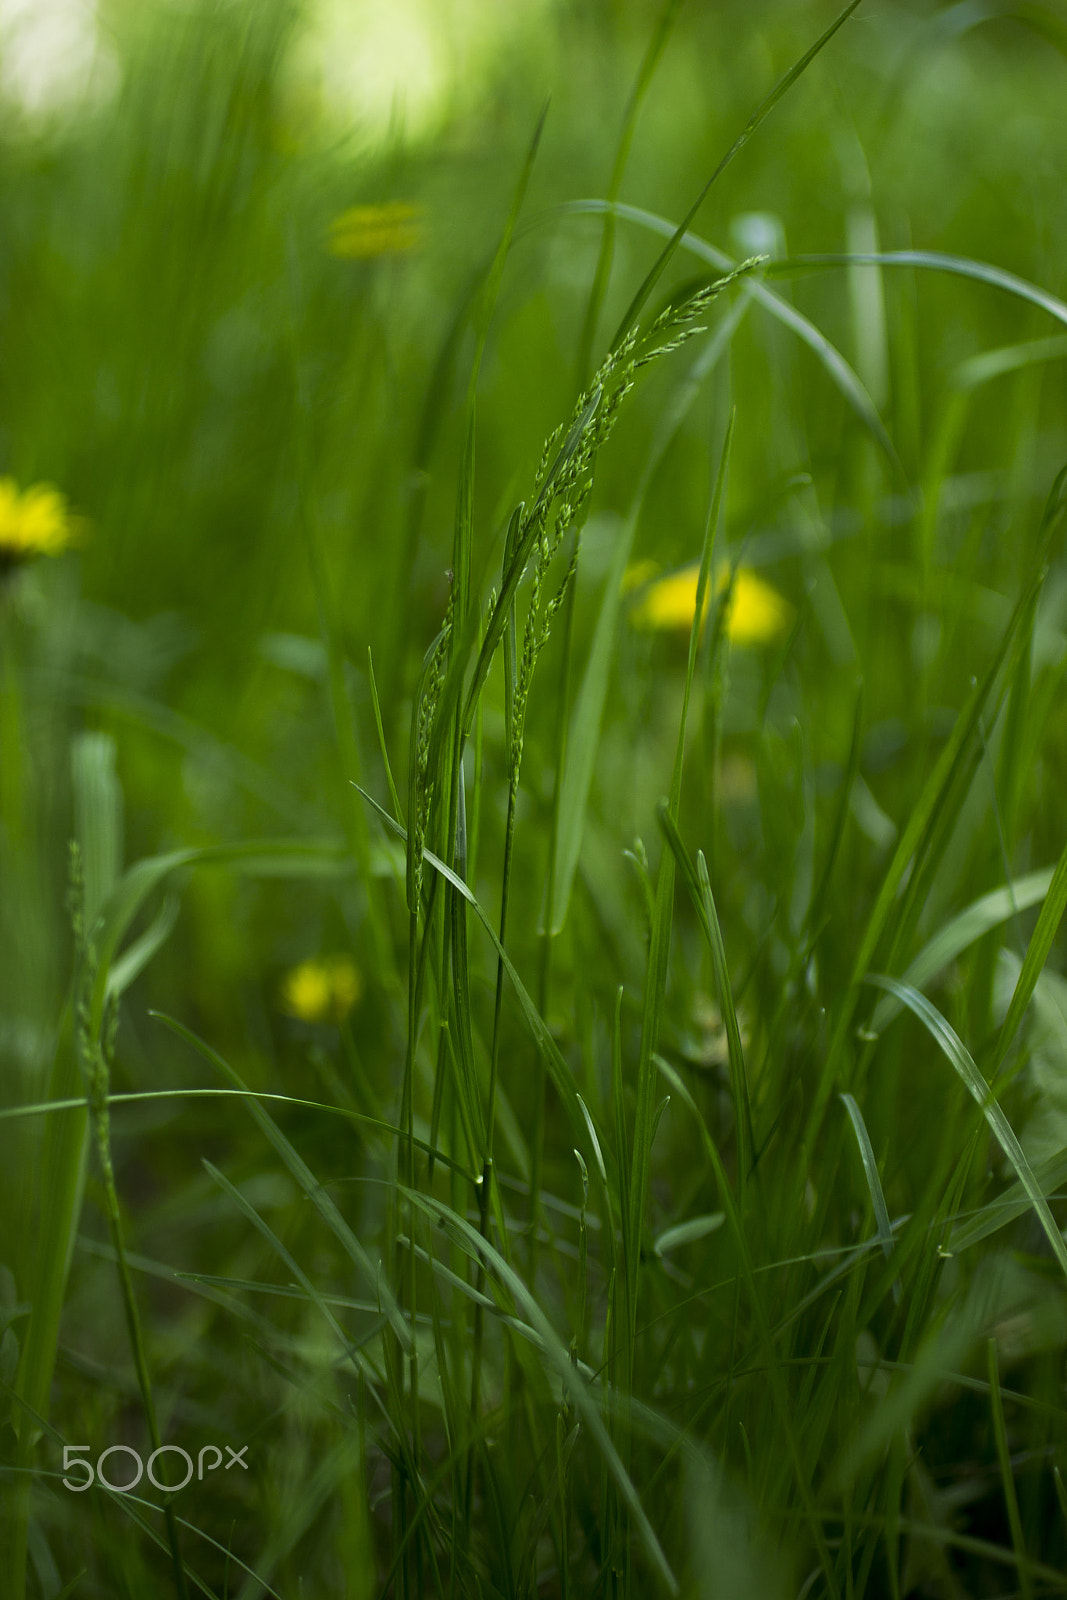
column 757, row 613
column 321, row 991
column 33, row 522
column 394, row 228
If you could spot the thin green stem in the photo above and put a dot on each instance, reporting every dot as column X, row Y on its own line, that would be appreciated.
column 94, row 1061
column 485, row 1187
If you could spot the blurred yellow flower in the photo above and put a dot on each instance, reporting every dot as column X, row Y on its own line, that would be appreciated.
column 757, row 613
column 33, row 522
column 362, row 232
column 321, row 991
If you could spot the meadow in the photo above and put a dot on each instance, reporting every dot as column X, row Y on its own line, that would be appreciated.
column 533, row 1036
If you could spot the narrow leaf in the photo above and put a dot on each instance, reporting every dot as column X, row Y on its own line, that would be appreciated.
column 1037, row 951
column 762, row 111
column 982, row 915
column 874, row 1182
column 935, row 261
column 960, row 1058
column 305, row 1178
column 480, row 1249
column 688, row 1232
column 841, row 374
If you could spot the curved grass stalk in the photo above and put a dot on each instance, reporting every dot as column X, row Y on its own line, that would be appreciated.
column 984, row 1095
column 95, row 1037
column 840, row 372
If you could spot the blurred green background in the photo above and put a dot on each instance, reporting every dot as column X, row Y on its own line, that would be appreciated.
column 257, row 410
column 189, row 363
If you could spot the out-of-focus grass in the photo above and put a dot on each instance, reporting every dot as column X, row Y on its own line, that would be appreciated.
column 238, row 338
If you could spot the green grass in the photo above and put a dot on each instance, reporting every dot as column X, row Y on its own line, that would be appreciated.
column 666, row 1196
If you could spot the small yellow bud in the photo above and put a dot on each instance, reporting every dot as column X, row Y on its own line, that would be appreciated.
column 321, row 991
column 363, row 232
column 757, row 613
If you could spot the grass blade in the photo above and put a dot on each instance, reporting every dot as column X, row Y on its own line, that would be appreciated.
column 782, row 1400
column 383, row 748
column 1011, row 1205
column 583, row 736
column 248, row 1210
column 682, row 1233
column 762, row 111
column 659, row 944
column 559, row 1071
column 305, row 1178
column 961, row 1060
column 1037, row 952
column 479, row 1249
column 698, row 886
column 840, row 372
column 656, row 46
column 1007, row 1476
column 979, row 918
column 870, row 1168
column 935, row 261
column 98, row 818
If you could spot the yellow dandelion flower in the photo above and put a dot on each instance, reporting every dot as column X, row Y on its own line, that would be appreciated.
column 363, row 232
column 33, row 522
column 757, row 613
column 321, row 991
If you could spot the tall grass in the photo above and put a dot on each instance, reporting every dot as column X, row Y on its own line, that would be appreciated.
column 579, row 1103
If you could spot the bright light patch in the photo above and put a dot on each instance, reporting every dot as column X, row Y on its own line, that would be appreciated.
column 400, row 65
column 385, row 65
column 52, row 56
